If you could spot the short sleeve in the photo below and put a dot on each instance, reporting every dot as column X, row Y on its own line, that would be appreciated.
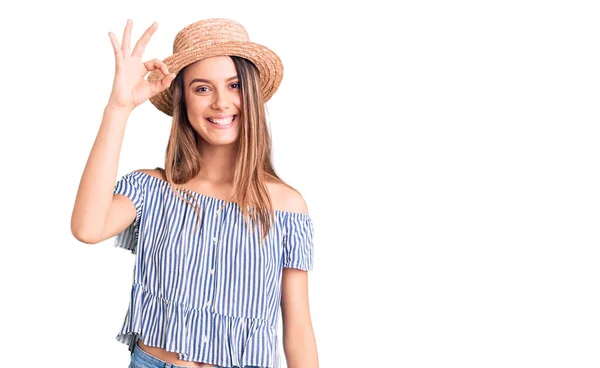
column 298, row 247
column 130, row 186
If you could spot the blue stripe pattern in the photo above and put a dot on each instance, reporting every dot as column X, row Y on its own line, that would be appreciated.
column 211, row 294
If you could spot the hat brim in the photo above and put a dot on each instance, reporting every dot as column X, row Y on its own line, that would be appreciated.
column 270, row 68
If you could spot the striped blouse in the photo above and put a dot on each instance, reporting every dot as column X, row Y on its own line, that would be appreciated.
column 211, row 294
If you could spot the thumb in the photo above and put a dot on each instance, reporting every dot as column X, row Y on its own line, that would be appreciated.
column 162, row 84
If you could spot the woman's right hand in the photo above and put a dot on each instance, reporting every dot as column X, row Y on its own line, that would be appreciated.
column 130, row 88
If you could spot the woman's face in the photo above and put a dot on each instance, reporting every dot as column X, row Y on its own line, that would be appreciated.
column 213, row 99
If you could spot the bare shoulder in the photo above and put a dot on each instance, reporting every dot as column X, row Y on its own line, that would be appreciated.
column 287, row 199
column 151, row 172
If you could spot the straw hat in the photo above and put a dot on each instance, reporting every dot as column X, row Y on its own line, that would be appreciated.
column 218, row 37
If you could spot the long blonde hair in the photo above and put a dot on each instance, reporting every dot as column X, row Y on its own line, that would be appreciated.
column 253, row 164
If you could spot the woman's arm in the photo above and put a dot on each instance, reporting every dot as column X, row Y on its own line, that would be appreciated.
column 299, row 342
column 95, row 193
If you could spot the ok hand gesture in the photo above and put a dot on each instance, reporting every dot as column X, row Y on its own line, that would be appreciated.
column 130, row 88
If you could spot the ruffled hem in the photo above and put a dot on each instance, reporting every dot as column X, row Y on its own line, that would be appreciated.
column 199, row 335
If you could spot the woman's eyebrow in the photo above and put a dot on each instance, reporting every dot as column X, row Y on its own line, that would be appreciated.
column 208, row 81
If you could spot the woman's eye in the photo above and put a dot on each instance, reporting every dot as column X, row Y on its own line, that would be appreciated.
column 201, row 89
column 235, row 85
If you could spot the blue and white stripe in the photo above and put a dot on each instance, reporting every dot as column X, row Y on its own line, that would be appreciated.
column 212, row 294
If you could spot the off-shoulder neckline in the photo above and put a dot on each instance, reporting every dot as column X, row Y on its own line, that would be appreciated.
column 220, row 200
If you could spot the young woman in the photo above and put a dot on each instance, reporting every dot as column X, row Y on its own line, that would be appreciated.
column 221, row 242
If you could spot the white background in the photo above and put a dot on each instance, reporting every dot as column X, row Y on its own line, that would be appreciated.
column 447, row 151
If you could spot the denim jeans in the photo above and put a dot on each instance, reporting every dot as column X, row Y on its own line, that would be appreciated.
column 142, row 359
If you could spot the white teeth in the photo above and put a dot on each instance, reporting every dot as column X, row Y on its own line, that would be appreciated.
column 223, row 121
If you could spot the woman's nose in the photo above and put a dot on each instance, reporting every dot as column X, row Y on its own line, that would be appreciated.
column 220, row 102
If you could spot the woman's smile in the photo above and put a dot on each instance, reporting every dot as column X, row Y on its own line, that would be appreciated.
column 222, row 122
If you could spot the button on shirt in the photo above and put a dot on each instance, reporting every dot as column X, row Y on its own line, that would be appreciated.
column 211, row 294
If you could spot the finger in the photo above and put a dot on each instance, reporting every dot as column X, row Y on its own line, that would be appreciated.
column 140, row 46
column 155, row 64
column 127, row 37
column 162, row 84
column 166, row 81
column 116, row 47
